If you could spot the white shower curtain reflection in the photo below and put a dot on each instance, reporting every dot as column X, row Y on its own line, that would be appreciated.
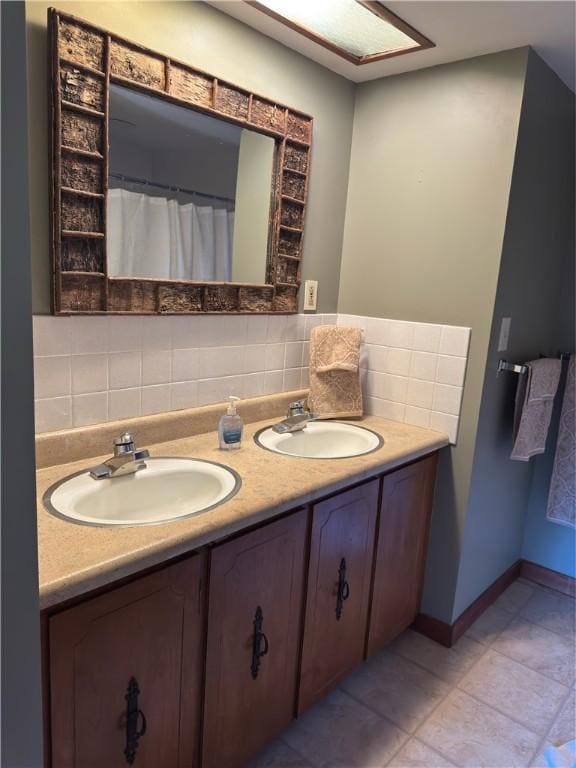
column 155, row 237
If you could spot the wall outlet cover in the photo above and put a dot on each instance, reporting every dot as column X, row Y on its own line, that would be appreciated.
column 310, row 295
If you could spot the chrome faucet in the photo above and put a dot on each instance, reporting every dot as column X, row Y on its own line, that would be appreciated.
column 296, row 419
column 127, row 459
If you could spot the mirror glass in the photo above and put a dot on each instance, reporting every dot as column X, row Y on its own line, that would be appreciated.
column 189, row 194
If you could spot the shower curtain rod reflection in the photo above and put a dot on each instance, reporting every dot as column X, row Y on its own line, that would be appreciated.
column 147, row 183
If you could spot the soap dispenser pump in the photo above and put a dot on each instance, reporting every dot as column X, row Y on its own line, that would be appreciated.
column 230, row 427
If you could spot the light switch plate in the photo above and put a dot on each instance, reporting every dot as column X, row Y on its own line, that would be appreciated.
column 310, row 295
column 504, row 334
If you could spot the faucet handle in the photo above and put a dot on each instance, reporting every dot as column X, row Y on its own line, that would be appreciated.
column 296, row 408
column 124, row 444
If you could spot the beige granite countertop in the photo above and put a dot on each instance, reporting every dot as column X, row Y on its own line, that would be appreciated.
column 75, row 559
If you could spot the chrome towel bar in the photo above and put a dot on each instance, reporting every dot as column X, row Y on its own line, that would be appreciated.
column 504, row 365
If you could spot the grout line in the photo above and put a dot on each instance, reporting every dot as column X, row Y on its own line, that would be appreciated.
column 495, row 707
column 552, row 723
column 375, row 712
column 289, row 746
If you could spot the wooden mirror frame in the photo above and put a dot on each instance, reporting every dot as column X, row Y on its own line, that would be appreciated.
column 85, row 60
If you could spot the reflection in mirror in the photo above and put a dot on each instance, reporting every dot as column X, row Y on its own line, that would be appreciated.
column 189, row 194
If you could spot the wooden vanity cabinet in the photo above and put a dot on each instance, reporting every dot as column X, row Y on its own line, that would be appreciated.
column 404, row 522
column 254, row 632
column 126, row 674
column 339, row 576
column 292, row 607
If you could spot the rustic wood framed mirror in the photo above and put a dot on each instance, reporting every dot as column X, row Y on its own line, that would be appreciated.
column 89, row 65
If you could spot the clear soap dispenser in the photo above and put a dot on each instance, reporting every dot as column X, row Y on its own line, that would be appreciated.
column 230, row 427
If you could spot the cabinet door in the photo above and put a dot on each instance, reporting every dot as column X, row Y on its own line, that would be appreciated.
column 125, row 674
column 341, row 555
column 254, row 624
column 407, row 496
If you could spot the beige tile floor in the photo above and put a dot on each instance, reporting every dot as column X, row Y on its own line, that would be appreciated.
column 496, row 699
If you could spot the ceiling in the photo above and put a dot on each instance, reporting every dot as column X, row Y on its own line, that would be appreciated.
column 460, row 28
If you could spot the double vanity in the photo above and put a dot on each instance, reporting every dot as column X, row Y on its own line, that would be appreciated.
column 196, row 641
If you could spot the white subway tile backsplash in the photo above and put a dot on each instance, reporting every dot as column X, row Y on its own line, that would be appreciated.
column 155, row 399
column 215, row 362
column 410, row 370
column 273, row 382
column 423, row 366
column 418, row 417
column 89, row 373
column 186, row 364
column 420, row 393
column 232, row 330
column 398, row 361
column 183, row 394
column 187, row 334
column 52, row 376
column 426, row 337
column 156, row 366
column 89, row 409
column 125, row 370
column 394, row 388
column 253, row 358
column 400, row 334
column 274, row 357
column 444, row 422
column 375, row 330
column 218, row 390
column 117, row 367
column 124, row 403
column 124, row 334
column 373, row 384
column 254, row 384
column 451, row 370
column 291, row 379
column 295, row 328
column 454, row 341
column 277, row 329
column 156, row 333
column 293, row 358
column 257, row 329
column 374, row 357
column 52, row 335
column 386, row 409
column 89, row 335
column 447, row 399
column 53, row 414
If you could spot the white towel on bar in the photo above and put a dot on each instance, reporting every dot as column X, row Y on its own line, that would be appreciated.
column 534, row 405
column 562, row 496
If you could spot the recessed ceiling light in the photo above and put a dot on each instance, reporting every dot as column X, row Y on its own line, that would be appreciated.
column 360, row 31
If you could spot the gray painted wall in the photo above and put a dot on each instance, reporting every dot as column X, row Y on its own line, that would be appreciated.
column 538, row 245
column 550, row 545
column 199, row 34
column 21, row 739
column 430, row 173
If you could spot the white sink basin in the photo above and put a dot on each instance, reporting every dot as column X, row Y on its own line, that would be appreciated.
column 321, row 440
column 167, row 489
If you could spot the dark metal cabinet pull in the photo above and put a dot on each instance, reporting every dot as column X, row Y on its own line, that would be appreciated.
column 257, row 639
column 135, row 721
column 343, row 592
